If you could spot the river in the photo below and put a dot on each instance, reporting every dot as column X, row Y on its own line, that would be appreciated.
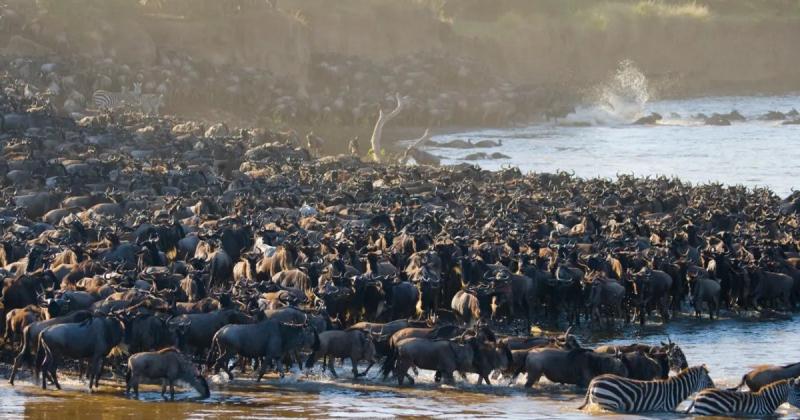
column 598, row 139
column 729, row 347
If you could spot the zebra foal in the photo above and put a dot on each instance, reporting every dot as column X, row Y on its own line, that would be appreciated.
column 723, row 402
column 615, row 393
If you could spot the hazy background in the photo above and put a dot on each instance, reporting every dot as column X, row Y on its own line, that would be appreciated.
column 328, row 65
column 706, row 45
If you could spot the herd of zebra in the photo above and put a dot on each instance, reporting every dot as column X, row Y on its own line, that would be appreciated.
column 619, row 394
column 147, row 103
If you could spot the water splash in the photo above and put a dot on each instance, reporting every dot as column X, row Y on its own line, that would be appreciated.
column 619, row 100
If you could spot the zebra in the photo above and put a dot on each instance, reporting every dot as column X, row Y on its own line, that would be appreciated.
column 624, row 395
column 150, row 102
column 723, row 402
column 103, row 99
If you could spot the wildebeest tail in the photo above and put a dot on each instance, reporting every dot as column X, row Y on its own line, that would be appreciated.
column 388, row 362
column 316, row 346
column 211, row 351
column 44, row 356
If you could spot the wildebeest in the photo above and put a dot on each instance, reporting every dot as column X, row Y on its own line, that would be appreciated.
column 148, row 331
column 92, row 339
column 705, row 292
column 355, row 344
column 30, row 339
column 167, row 365
column 606, row 297
column 442, row 356
column 767, row 374
column 202, row 327
column 770, row 286
column 653, row 290
column 467, row 307
column 441, row 332
column 674, row 354
column 267, row 340
column 645, row 367
column 19, row 318
column 576, row 367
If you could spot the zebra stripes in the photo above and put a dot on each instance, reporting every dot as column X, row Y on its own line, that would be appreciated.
column 103, row 99
column 722, row 402
column 150, row 102
column 624, row 395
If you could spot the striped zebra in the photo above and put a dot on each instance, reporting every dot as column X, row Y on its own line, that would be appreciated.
column 723, row 402
column 624, row 395
column 103, row 99
column 150, row 102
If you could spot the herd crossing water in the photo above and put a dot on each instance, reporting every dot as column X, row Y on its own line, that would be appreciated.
column 729, row 347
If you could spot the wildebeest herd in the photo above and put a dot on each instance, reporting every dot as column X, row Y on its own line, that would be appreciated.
column 183, row 246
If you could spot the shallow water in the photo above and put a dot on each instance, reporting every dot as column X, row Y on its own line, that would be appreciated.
column 752, row 153
column 728, row 347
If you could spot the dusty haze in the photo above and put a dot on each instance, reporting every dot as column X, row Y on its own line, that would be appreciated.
column 331, row 64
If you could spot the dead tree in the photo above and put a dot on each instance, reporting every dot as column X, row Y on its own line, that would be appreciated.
column 377, row 132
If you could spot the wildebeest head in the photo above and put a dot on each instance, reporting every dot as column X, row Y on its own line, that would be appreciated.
column 56, row 307
column 677, row 360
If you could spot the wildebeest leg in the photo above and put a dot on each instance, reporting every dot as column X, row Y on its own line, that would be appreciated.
column 98, row 371
column 533, row 378
column 416, row 371
column 164, row 389
column 38, row 360
column 90, row 368
column 447, row 378
column 53, row 373
column 279, row 363
column 437, row 377
column 330, row 366
column 261, row 370
column 135, row 385
column 401, row 372
column 401, row 376
column 171, row 390
column 484, row 378
column 369, row 366
column 17, row 362
column 354, row 362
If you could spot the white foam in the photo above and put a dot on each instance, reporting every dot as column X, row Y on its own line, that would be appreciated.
column 619, row 100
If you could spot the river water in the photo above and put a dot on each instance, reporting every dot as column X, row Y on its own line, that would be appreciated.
column 598, row 139
column 729, row 347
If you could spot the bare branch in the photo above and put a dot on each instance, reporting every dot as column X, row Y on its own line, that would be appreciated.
column 383, row 118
